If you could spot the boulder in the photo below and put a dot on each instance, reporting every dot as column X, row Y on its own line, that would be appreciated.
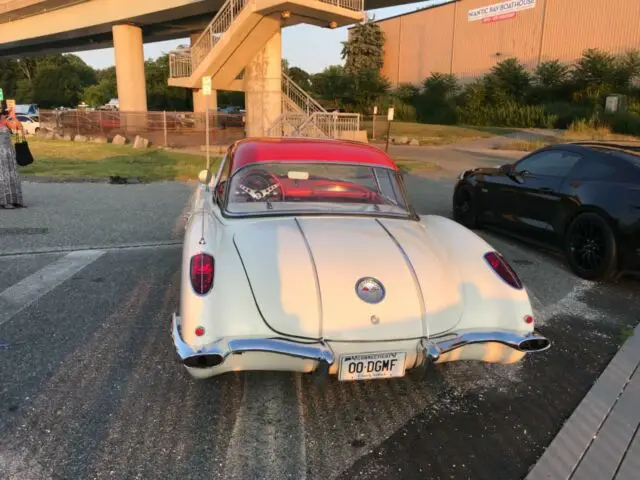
column 67, row 137
column 99, row 140
column 119, row 140
column 140, row 142
column 414, row 142
column 49, row 136
column 80, row 138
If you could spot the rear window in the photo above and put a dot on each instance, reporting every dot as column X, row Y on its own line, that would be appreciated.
column 632, row 157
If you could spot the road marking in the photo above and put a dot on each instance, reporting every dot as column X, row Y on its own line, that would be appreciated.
column 77, row 248
column 22, row 294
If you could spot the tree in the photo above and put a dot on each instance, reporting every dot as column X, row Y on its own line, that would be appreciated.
column 160, row 96
column 9, row 77
column 331, row 85
column 364, row 88
column 364, row 49
column 56, row 86
column 302, row 78
column 507, row 81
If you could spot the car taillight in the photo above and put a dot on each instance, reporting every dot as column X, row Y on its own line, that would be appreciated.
column 503, row 269
column 202, row 270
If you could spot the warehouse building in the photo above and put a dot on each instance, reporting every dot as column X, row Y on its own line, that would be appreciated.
column 468, row 37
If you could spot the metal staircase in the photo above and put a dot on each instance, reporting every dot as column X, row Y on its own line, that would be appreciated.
column 301, row 114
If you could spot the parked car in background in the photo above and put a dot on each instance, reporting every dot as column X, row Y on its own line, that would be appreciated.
column 306, row 255
column 231, row 117
column 30, row 123
column 581, row 198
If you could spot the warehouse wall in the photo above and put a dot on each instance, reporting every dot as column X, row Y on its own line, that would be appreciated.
column 442, row 39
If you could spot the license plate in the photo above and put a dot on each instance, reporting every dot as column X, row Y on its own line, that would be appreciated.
column 366, row 366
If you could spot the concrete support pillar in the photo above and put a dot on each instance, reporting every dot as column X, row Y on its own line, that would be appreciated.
column 199, row 100
column 263, row 89
column 129, row 53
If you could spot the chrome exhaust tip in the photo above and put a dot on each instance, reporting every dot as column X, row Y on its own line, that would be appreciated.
column 535, row 343
column 203, row 361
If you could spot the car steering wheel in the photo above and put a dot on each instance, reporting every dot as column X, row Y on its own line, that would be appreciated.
column 260, row 185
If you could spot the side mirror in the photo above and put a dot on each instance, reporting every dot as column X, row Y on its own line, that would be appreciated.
column 204, row 177
column 506, row 168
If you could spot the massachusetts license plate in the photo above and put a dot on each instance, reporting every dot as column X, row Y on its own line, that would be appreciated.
column 365, row 366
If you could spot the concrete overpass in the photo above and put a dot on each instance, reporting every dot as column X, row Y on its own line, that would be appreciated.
column 235, row 32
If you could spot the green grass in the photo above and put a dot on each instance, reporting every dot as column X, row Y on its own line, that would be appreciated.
column 428, row 134
column 408, row 165
column 57, row 158
column 571, row 135
column 626, row 333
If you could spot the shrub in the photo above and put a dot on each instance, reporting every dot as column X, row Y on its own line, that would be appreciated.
column 508, row 115
column 625, row 123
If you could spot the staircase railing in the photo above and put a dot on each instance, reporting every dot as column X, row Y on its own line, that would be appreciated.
column 180, row 66
column 332, row 124
column 299, row 97
column 207, row 40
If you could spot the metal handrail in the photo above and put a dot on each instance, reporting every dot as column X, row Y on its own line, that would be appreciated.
column 220, row 23
column 299, row 96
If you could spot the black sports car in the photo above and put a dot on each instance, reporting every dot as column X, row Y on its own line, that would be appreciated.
column 583, row 198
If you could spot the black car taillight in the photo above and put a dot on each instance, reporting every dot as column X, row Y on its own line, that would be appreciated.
column 202, row 272
column 499, row 265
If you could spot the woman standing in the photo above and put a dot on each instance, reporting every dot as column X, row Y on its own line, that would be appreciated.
column 10, row 188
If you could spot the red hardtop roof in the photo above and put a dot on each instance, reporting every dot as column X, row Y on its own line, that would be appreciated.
column 256, row 150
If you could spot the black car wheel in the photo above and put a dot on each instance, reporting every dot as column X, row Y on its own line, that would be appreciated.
column 465, row 208
column 590, row 246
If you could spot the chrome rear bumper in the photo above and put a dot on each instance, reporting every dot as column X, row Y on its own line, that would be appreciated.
column 521, row 341
column 217, row 353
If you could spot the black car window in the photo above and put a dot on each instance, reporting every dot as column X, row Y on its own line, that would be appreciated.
column 552, row 163
column 594, row 169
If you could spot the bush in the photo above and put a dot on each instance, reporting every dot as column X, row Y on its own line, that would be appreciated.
column 625, row 123
column 404, row 112
column 508, row 115
column 567, row 113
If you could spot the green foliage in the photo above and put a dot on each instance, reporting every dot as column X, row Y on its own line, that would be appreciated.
column 551, row 74
column 554, row 95
column 624, row 123
column 508, row 115
column 160, row 96
column 302, row 78
column 365, row 48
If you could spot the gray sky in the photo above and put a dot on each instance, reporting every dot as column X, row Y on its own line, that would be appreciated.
column 308, row 47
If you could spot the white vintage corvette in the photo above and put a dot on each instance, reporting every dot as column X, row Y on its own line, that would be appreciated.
column 306, row 256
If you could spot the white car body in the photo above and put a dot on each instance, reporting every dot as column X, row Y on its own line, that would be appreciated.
column 285, row 295
column 30, row 125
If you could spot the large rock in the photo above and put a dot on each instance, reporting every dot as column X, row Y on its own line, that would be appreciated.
column 414, row 142
column 80, row 138
column 119, row 140
column 49, row 136
column 99, row 140
column 140, row 142
column 67, row 137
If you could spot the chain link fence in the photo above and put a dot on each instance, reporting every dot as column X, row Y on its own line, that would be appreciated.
column 168, row 129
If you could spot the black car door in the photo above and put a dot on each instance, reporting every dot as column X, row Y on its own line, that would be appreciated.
column 538, row 191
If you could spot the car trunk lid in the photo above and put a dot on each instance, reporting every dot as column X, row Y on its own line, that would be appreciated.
column 305, row 273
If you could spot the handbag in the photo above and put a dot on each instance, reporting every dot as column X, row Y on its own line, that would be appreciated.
column 23, row 153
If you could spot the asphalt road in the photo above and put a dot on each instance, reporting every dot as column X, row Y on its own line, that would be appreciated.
column 90, row 388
